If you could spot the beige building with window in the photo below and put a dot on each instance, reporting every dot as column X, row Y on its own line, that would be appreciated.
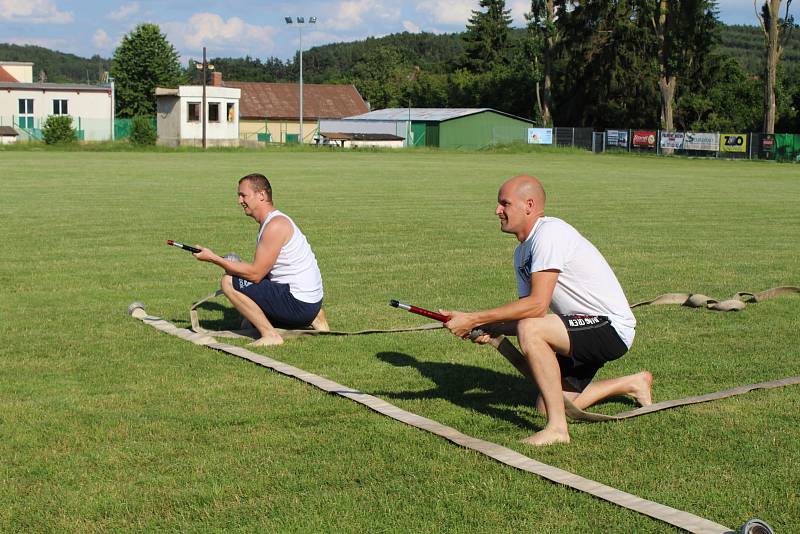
column 25, row 105
column 179, row 120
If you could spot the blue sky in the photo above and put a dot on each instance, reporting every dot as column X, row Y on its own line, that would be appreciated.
column 243, row 27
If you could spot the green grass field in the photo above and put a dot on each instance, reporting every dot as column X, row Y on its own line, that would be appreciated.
column 107, row 425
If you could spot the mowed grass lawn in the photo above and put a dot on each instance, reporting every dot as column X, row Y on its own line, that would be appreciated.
column 107, row 425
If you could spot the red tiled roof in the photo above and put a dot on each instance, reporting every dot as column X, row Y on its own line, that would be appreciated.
column 282, row 100
column 6, row 77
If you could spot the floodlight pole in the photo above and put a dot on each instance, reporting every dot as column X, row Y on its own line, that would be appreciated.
column 300, row 23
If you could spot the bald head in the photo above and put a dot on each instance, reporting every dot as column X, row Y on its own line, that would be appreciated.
column 520, row 202
column 527, row 188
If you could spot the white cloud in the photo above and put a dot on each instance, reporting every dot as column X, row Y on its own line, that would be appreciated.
column 350, row 14
column 211, row 30
column 410, row 26
column 101, row 40
column 455, row 12
column 124, row 11
column 518, row 9
column 33, row 12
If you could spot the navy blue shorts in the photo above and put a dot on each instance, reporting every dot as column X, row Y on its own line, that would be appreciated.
column 593, row 342
column 278, row 303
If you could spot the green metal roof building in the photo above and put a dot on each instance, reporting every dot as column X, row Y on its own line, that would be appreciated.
column 454, row 127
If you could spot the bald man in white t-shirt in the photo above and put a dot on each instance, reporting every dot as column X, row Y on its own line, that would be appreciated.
column 571, row 316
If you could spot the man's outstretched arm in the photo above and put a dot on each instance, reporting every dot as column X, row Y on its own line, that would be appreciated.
column 534, row 305
column 276, row 235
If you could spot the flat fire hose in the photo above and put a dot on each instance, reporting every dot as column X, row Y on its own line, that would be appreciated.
column 288, row 334
column 512, row 354
column 735, row 303
column 672, row 516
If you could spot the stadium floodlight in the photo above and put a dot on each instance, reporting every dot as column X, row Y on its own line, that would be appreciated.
column 300, row 22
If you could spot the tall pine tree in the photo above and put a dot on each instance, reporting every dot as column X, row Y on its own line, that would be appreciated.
column 486, row 38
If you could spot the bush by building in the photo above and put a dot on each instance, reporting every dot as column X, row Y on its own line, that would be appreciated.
column 58, row 129
column 142, row 131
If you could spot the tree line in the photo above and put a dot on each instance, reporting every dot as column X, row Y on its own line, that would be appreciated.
column 665, row 64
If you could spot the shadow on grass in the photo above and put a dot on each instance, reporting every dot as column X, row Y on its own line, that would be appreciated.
column 231, row 319
column 474, row 388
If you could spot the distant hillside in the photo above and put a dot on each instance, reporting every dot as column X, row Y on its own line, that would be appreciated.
column 746, row 45
column 336, row 62
column 431, row 52
column 58, row 66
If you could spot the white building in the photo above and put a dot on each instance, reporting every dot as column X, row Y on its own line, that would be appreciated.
column 179, row 119
column 25, row 105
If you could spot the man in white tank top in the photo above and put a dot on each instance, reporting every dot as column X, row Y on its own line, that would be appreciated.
column 591, row 322
column 283, row 285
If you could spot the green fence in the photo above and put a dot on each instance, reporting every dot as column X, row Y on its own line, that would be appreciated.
column 122, row 127
column 787, row 147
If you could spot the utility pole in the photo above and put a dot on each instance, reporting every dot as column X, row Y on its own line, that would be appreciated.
column 205, row 67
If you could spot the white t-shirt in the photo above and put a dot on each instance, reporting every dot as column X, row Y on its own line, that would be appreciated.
column 586, row 284
column 296, row 264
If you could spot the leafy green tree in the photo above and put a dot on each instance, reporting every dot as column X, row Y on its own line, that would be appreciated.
column 486, row 38
column 379, row 77
column 608, row 75
column 726, row 98
column 789, row 104
column 57, row 129
column 143, row 61
column 686, row 32
column 539, row 47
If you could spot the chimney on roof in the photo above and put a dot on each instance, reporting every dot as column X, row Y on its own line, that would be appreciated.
column 216, row 79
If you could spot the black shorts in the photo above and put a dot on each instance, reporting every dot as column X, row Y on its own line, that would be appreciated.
column 282, row 309
column 593, row 341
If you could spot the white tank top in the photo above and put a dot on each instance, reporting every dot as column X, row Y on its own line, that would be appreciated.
column 296, row 265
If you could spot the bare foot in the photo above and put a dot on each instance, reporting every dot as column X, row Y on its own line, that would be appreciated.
column 267, row 341
column 547, row 436
column 320, row 323
column 641, row 388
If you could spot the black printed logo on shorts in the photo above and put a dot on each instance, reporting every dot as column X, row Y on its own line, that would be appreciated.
column 584, row 321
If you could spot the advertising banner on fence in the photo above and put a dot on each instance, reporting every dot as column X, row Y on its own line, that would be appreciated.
column 701, row 141
column 540, row 136
column 617, row 138
column 671, row 139
column 733, row 142
column 644, row 139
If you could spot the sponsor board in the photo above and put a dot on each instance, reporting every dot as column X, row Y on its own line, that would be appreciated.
column 733, row 142
column 617, row 138
column 672, row 139
column 644, row 138
column 540, row 136
column 701, row 141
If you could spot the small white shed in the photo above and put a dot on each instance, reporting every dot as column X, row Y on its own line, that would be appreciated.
column 179, row 119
